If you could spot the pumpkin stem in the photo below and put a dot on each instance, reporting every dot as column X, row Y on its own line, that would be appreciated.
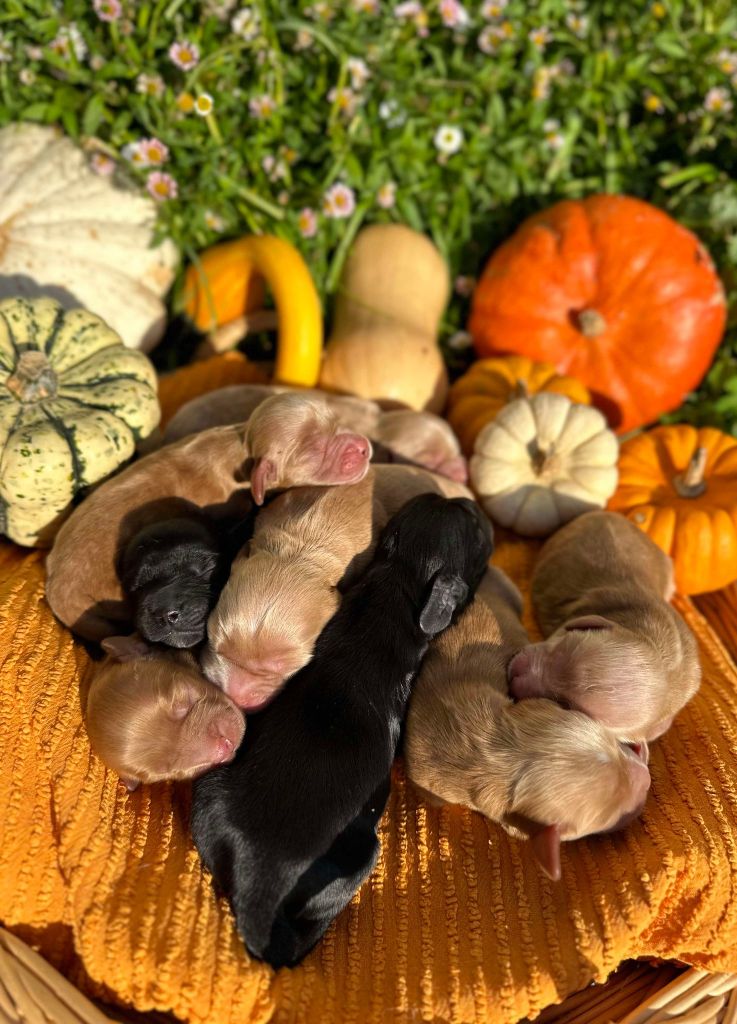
column 542, row 459
column 591, row 323
column 33, row 378
column 521, row 389
column 691, row 483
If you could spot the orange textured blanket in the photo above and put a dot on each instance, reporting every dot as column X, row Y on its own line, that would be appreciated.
column 456, row 924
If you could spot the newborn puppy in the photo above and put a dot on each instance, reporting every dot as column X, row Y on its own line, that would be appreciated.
column 282, row 588
column 288, row 830
column 172, row 573
column 543, row 773
column 151, row 716
column 418, row 437
column 616, row 649
column 290, row 440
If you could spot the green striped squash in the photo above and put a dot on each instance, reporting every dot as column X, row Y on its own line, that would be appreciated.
column 73, row 403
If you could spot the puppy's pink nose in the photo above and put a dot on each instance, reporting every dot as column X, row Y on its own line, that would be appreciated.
column 356, row 451
column 522, row 682
column 249, row 689
column 454, row 469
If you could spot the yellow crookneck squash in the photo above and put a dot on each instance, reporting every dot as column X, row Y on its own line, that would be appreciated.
column 73, row 403
column 227, row 282
column 679, row 485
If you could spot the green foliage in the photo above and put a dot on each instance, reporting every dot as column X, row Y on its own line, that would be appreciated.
column 617, row 95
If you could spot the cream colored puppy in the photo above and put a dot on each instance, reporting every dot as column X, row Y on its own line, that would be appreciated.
column 419, row 437
column 543, row 773
column 290, row 440
column 616, row 649
column 283, row 587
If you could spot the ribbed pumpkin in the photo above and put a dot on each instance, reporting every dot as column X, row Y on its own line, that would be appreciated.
column 68, row 232
column 543, row 461
column 73, row 402
column 479, row 395
column 228, row 281
column 679, row 485
column 611, row 291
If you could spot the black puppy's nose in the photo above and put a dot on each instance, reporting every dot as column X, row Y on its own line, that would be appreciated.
column 172, row 617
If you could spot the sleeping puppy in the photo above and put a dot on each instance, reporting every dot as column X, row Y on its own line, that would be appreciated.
column 151, row 716
column 616, row 649
column 282, row 588
column 288, row 830
column 172, row 573
column 417, row 437
column 544, row 773
column 290, row 440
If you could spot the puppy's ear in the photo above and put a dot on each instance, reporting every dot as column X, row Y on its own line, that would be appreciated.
column 126, row 648
column 263, row 476
column 585, row 622
column 546, row 850
column 446, row 594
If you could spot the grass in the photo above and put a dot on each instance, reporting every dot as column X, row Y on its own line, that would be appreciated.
column 552, row 99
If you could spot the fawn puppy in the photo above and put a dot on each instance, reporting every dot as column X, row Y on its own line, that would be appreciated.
column 288, row 830
column 283, row 587
column 290, row 440
column 150, row 715
column 616, row 649
column 544, row 773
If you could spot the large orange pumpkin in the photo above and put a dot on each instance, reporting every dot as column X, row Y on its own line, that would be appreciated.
column 612, row 291
column 679, row 485
column 481, row 393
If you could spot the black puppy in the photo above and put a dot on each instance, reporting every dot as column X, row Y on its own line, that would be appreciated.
column 173, row 572
column 288, row 830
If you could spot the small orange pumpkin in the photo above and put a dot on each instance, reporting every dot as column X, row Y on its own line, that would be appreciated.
column 479, row 395
column 679, row 485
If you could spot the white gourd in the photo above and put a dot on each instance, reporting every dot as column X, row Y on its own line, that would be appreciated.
column 72, row 234
column 73, row 403
column 543, row 461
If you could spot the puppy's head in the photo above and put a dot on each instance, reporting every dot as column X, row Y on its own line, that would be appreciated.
column 443, row 545
column 567, row 777
column 425, row 439
column 295, row 440
column 264, row 627
column 172, row 571
column 151, row 716
column 595, row 666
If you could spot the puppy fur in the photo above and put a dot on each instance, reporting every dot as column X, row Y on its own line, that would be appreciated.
column 419, row 437
column 282, row 588
column 290, row 440
column 151, row 716
column 288, row 829
column 542, row 772
column 616, row 649
column 172, row 573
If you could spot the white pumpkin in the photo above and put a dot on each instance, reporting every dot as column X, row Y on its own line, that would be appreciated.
column 543, row 461
column 73, row 403
column 72, row 234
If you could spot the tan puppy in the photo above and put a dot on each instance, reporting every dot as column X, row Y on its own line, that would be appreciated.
column 544, row 773
column 290, row 440
column 282, row 588
column 151, row 716
column 420, row 437
column 616, row 649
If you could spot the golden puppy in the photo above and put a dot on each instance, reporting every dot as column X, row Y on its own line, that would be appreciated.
column 419, row 437
column 616, row 649
column 290, row 440
column 151, row 716
column 283, row 587
column 543, row 773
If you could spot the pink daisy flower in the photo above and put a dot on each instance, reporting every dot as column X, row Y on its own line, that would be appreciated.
column 161, row 186
column 387, row 195
column 102, row 164
column 339, row 201
column 307, row 222
column 185, row 55
column 108, row 10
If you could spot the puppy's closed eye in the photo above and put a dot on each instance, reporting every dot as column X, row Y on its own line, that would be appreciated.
column 588, row 622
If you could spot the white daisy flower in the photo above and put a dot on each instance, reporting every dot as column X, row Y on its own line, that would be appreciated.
column 448, row 139
column 339, row 201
